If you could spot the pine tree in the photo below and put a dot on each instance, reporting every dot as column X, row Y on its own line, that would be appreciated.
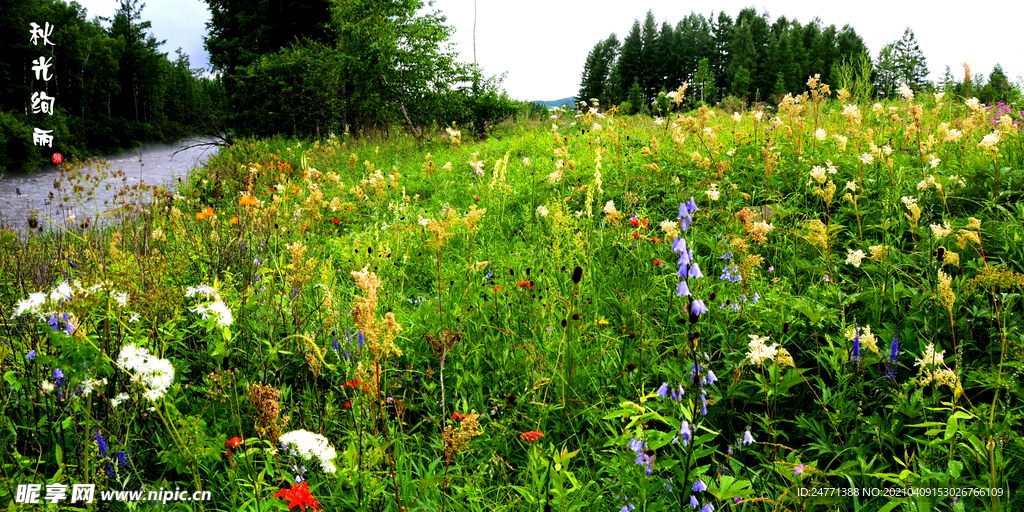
column 886, row 71
column 911, row 66
column 648, row 73
column 627, row 69
column 597, row 71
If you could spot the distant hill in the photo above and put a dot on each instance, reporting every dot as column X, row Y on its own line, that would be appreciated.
column 558, row 103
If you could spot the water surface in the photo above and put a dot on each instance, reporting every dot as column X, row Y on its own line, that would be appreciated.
column 153, row 164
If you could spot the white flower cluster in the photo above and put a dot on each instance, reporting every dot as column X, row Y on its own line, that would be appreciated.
column 216, row 308
column 758, row 351
column 152, row 372
column 42, row 302
column 854, row 257
column 713, row 193
column 311, row 446
column 906, row 92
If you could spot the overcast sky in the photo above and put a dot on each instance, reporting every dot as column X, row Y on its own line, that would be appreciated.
column 542, row 45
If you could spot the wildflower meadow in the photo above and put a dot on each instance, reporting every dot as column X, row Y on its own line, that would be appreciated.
column 809, row 306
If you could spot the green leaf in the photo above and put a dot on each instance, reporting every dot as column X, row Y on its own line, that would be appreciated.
column 955, row 468
column 729, row 487
column 951, row 427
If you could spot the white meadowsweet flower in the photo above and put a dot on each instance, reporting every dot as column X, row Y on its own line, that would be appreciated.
column 311, row 446
column 758, row 351
column 736, row 117
column 121, row 298
column 713, row 193
column 854, row 257
column 526, row 161
column 867, row 158
column 906, row 92
column 931, row 356
column 989, row 141
column 933, row 161
column 542, row 211
column 941, row 231
column 820, row 134
column 817, row 174
column 609, row 208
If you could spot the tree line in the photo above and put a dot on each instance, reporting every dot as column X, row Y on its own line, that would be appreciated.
column 111, row 86
column 328, row 66
column 749, row 57
column 752, row 58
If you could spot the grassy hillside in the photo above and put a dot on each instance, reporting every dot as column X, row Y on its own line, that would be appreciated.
column 505, row 324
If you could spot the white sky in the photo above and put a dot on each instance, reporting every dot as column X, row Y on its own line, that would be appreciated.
column 542, row 44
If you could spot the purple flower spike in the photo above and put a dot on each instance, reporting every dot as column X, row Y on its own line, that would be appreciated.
column 691, row 206
column 695, row 271
column 698, row 308
column 683, row 210
column 683, row 289
column 679, row 245
column 712, row 378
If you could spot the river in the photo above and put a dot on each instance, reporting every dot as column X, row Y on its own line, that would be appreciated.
column 153, row 164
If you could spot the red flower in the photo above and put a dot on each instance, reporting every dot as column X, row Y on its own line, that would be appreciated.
column 234, row 442
column 636, row 235
column 657, row 262
column 634, row 222
column 459, row 417
column 348, row 405
column 366, row 388
column 644, row 222
column 525, row 283
column 497, row 289
column 336, row 220
column 298, row 495
column 656, row 240
column 477, row 198
column 531, row 436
